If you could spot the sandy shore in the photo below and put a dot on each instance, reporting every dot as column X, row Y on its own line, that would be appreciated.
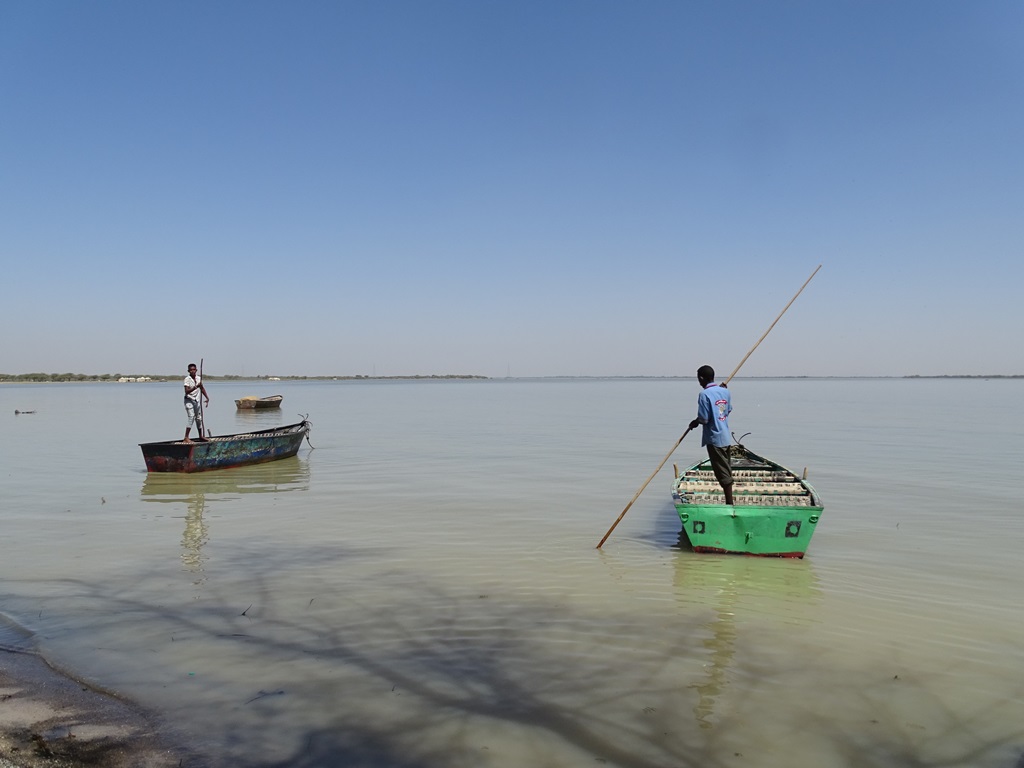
column 49, row 720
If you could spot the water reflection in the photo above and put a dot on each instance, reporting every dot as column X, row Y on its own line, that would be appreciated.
column 194, row 537
column 737, row 589
column 291, row 474
column 196, row 490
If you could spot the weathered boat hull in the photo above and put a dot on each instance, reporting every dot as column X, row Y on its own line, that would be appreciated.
column 775, row 513
column 225, row 451
column 248, row 403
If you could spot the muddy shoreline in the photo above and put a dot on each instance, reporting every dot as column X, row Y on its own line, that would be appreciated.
column 50, row 720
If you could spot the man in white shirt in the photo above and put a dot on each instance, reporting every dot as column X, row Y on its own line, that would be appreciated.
column 193, row 389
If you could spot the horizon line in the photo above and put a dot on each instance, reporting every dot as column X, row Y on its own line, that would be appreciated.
column 123, row 378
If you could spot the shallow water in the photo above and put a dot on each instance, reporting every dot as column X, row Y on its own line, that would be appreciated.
column 422, row 588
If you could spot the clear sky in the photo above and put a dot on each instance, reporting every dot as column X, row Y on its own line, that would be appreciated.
column 561, row 187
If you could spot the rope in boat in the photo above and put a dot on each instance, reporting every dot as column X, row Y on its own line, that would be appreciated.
column 309, row 428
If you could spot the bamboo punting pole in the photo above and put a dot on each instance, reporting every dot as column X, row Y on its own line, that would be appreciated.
column 773, row 324
column 637, row 494
column 202, row 416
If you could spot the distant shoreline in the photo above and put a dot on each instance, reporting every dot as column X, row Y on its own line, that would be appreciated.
column 117, row 378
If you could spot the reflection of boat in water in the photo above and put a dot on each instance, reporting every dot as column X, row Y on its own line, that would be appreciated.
column 764, row 582
column 195, row 491
column 737, row 589
column 289, row 474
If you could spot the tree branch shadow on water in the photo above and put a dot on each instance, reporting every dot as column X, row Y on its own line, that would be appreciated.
column 464, row 661
column 466, row 679
column 461, row 675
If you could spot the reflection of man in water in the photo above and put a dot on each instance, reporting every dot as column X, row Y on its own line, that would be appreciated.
column 193, row 389
column 714, row 404
column 194, row 538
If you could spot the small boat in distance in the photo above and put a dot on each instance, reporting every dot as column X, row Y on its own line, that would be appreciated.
column 225, row 451
column 251, row 401
column 774, row 512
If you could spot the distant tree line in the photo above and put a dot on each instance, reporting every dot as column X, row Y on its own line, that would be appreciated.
column 969, row 376
column 59, row 377
column 48, row 377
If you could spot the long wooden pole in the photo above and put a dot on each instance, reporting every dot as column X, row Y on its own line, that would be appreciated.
column 637, row 494
column 203, row 431
column 763, row 335
column 680, row 440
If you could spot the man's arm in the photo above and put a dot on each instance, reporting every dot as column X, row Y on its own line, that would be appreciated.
column 702, row 412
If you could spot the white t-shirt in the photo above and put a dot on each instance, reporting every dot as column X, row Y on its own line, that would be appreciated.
column 190, row 382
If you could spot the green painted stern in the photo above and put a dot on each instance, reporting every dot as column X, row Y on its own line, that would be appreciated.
column 775, row 512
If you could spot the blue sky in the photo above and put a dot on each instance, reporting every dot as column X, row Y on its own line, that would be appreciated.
column 573, row 187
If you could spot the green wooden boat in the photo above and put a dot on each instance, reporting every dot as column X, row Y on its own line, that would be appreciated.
column 774, row 515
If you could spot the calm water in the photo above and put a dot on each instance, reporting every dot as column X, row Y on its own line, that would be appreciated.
column 422, row 588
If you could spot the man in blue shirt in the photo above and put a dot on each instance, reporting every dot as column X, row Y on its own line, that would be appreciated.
column 714, row 404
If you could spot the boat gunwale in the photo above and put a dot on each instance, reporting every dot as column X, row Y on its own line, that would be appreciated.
column 815, row 499
column 282, row 431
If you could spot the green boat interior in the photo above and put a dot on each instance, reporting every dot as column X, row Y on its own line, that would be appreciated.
column 756, row 482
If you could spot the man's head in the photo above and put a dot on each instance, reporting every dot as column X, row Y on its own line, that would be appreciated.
column 705, row 375
column 192, row 368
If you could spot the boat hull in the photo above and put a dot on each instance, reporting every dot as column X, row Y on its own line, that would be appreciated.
column 775, row 512
column 724, row 529
column 225, row 451
column 252, row 403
